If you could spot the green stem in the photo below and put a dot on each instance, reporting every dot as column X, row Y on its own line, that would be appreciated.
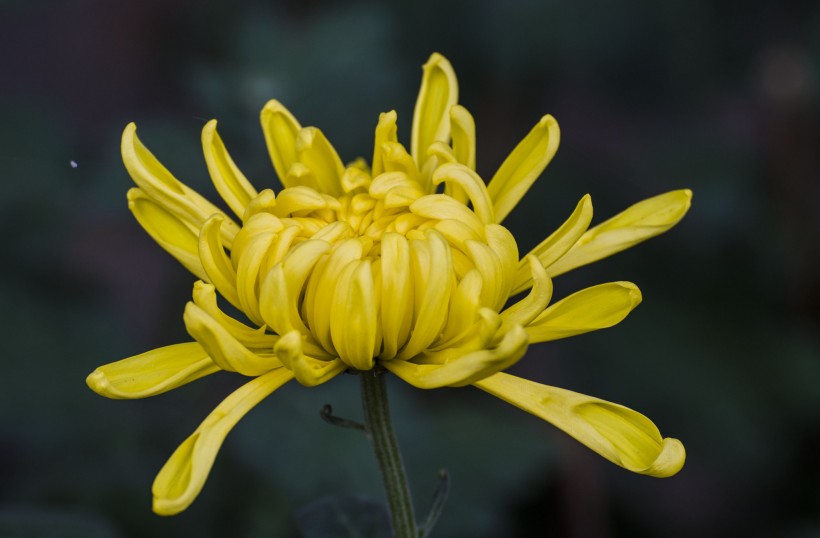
column 380, row 431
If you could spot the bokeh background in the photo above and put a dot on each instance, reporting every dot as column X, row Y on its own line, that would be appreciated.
column 724, row 353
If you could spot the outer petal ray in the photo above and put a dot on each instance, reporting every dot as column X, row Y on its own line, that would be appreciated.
column 223, row 347
column 587, row 310
column 558, row 243
column 621, row 435
column 204, row 296
column 464, row 139
column 158, row 183
column 431, row 117
column 638, row 223
column 152, row 373
column 228, row 179
column 316, row 153
column 215, row 262
column 523, row 166
column 385, row 132
column 181, row 479
column 471, row 184
column 280, row 129
column 531, row 306
column 176, row 236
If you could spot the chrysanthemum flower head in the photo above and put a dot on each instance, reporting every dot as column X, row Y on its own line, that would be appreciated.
column 402, row 264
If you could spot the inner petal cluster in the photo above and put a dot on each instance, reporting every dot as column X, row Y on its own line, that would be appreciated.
column 383, row 271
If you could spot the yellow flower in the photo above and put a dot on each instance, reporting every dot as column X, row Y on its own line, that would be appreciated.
column 403, row 265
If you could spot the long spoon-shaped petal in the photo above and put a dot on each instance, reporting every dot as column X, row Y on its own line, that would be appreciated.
column 522, row 167
column 621, row 435
column 638, row 223
column 181, row 479
column 590, row 309
column 152, row 373
column 431, row 117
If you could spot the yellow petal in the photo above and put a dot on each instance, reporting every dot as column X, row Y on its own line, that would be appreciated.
column 444, row 153
column 523, row 166
column 158, row 183
column 353, row 312
column 152, row 373
column 299, row 176
column 531, row 306
column 463, row 131
column 315, row 152
column 333, row 232
column 442, row 207
column 280, row 129
column 322, row 286
column 248, row 271
column 384, row 182
column 487, row 261
column 432, row 268
column 223, row 347
column 359, row 163
column 259, row 223
column 621, row 435
column 466, row 369
column 587, row 310
column 308, row 371
column 354, row 178
column 463, row 309
column 300, row 198
column 396, row 159
column 471, row 184
column 458, row 234
column 385, row 132
column 279, row 248
column 558, row 243
column 395, row 188
column 496, row 260
column 172, row 234
column 638, row 223
column 282, row 287
column 265, row 201
column 397, row 293
column 215, row 261
column 229, row 181
column 204, row 297
column 181, row 479
column 483, row 333
column 462, row 128
column 431, row 117
column 502, row 242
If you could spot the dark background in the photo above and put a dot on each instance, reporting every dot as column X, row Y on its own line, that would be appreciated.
column 720, row 97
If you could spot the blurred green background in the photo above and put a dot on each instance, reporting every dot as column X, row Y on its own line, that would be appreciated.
column 724, row 353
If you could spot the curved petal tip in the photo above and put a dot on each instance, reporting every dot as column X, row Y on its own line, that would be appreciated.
column 670, row 460
column 98, row 382
column 181, row 479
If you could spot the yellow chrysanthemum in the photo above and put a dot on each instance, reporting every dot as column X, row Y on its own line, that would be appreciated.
column 404, row 265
